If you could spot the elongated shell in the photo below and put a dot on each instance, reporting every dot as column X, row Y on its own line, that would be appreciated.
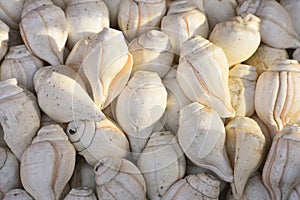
column 9, row 171
column 202, row 74
column 245, row 144
column 107, row 68
column 19, row 116
column 17, row 194
column 48, row 163
column 113, row 7
column 85, row 17
column 279, row 107
column 183, row 21
column 241, row 83
column 19, row 63
column 139, row 106
column 83, row 193
column 201, row 135
column 152, row 51
column 95, row 140
column 162, row 163
column 281, row 170
column 136, row 17
column 10, row 12
column 239, row 37
column 118, row 178
column 4, row 38
column 194, row 187
column 43, row 28
column 62, row 98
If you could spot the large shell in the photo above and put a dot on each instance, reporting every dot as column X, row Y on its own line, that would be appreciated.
column 62, row 98
column 113, row 7
column 139, row 106
column 281, row 170
column 118, row 178
column 83, row 193
column 17, row 194
column 10, row 12
column 9, row 171
column 201, row 135
column 136, row 17
column 4, row 36
column 152, row 51
column 95, row 140
column 48, row 163
column 245, row 145
column 19, row 116
column 280, row 106
column 19, row 63
column 194, row 187
column 85, row 17
column 239, row 37
column 184, row 20
column 107, row 68
column 43, row 28
column 162, row 163
column 202, row 74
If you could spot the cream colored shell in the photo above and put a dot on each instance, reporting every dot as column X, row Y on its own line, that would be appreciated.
column 4, row 38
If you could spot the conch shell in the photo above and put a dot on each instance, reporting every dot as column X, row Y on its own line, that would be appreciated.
column 62, row 98
column 17, row 194
column 162, row 158
column 83, row 193
column 43, row 28
column 118, row 178
column 19, row 116
column 19, row 63
column 48, row 163
column 239, row 37
column 10, row 12
column 202, row 74
column 95, row 140
column 201, row 135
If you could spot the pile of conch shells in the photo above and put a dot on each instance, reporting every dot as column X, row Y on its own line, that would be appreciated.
column 149, row 99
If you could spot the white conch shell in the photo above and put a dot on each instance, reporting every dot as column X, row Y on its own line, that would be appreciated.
column 292, row 7
column 4, row 36
column 202, row 74
column 176, row 100
column 276, row 30
column 48, row 163
column 113, row 8
column 194, row 187
column 152, row 51
column 183, row 21
column 84, row 18
column 17, row 194
column 239, row 37
column 245, row 144
column 19, row 116
column 82, row 193
column 19, row 63
column 218, row 11
column 10, row 12
column 106, row 67
column 118, row 178
column 62, row 98
column 139, row 106
column 265, row 56
column 241, row 83
column 43, row 28
column 281, row 170
column 136, row 17
column 95, row 140
column 9, row 171
column 281, row 105
column 162, row 163
column 201, row 135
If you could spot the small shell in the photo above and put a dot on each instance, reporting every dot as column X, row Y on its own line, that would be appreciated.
column 17, row 194
column 4, row 36
column 83, row 193
column 48, row 163
column 152, row 51
column 95, row 140
column 162, row 163
column 10, row 12
column 113, row 7
column 118, row 178
column 239, row 37
column 19, row 63
column 19, row 116
column 194, row 187
column 201, row 135
column 281, row 170
column 43, row 28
